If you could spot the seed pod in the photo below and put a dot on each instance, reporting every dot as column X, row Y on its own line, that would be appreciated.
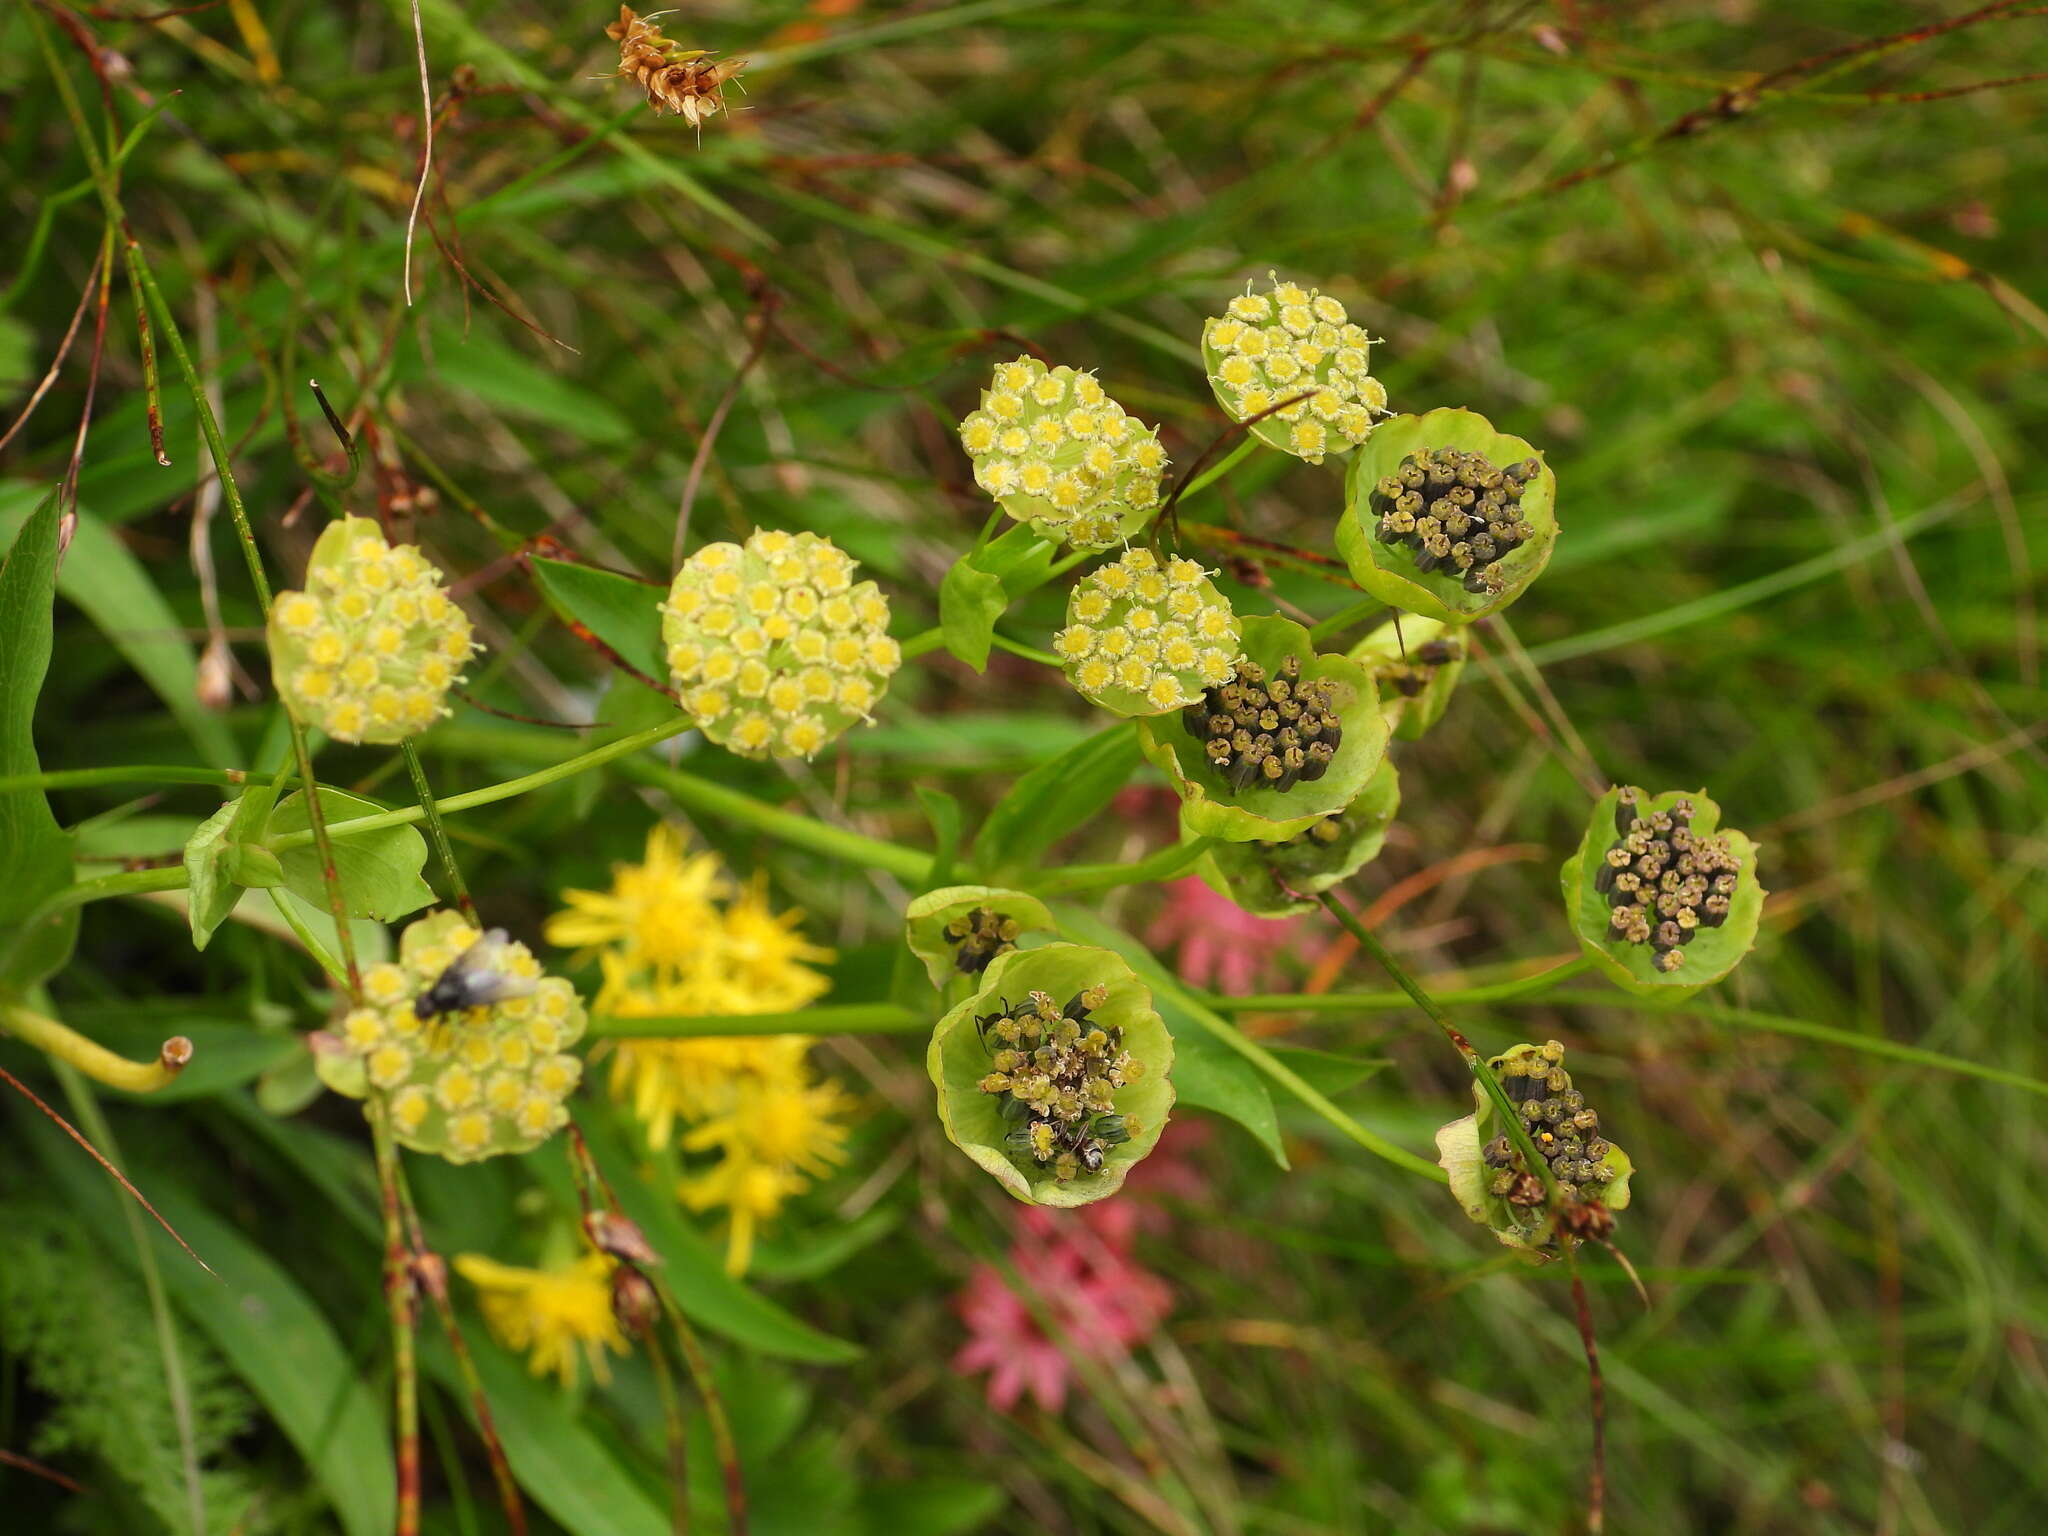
column 959, row 929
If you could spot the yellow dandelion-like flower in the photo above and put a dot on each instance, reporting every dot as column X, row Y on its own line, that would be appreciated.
column 779, row 1132
column 656, row 912
column 557, row 1316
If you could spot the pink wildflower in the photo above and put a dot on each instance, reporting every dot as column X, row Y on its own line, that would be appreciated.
column 1218, row 941
column 1095, row 1299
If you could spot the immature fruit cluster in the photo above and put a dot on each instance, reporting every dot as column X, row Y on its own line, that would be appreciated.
column 1056, row 1074
column 1270, row 733
column 773, row 646
column 1058, row 453
column 470, row 1084
column 1457, row 511
column 1410, row 677
column 1663, row 881
column 1564, row 1131
column 1294, row 341
column 1144, row 636
column 979, row 936
column 370, row 649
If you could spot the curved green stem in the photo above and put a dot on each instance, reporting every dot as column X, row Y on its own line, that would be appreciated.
column 830, row 1019
column 1381, row 1002
column 1164, row 864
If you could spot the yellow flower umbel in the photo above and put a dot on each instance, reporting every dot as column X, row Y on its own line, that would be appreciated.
column 1059, row 454
column 1145, row 637
column 370, row 649
column 465, row 1085
column 780, row 1129
column 554, row 1314
column 672, row 937
column 773, row 646
column 1293, row 342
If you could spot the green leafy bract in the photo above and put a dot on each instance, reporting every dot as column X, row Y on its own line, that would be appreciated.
column 1414, row 686
column 1388, row 571
column 925, row 920
column 1712, row 953
column 958, row 1060
column 1210, row 808
column 1281, row 878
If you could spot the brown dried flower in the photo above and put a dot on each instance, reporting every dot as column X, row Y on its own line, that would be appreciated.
column 686, row 81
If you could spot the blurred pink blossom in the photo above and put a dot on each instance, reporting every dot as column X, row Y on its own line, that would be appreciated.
column 1096, row 1300
column 1219, row 943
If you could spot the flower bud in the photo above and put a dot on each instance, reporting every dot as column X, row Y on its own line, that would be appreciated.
column 368, row 651
column 1294, row 348
column 773, row 647
column 1057, row 453
column 635, row 1302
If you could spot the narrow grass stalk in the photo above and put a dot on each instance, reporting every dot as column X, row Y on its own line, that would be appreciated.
column 433, row 1278
column 1596, row 1478
column 1381, row 1002
column 440, row 834
column 1167, row 862
column 675, row 1435
column 398, row 1297
column 87, row 1108
column 722, row 1440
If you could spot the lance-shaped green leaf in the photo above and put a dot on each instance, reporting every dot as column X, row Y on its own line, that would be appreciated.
column 1052, row 1142
column 35, row 854
column 1657, row 937
column 1489, row 1175
column 1417, row 663
column 1211, row 806
column 1394, row 567
column 379, row 871
column 1055, row 798
column 1281, row 878
column 960, row 930
column 625, row 614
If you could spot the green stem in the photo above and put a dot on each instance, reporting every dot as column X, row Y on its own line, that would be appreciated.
column 830, row 1019
column 1344, row 618
column 1217, row 471
column 316, row 829
column 1163, row 864
column 336, row 972
column 1292, row 1081
column 1381, row 1002
column 398, row 1296
column 129, row 773
column 1511, row 1120
column 714, row 1408
column 1848, row 1040
column 439, row 832
column 674, row 1436
column 1003, row 642
column 554, row 773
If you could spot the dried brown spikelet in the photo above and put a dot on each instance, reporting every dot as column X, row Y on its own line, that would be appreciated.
column 686, row 81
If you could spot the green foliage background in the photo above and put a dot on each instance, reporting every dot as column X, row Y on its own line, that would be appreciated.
column 1787, row 363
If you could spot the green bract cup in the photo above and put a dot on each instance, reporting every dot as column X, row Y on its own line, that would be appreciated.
column 1210, row 807
column 1388, row 571
column 1487, row 1174
column 960, row 930
column 1416, row 662
column 960, row 1060
column 1712, row 932
column 1260, row 876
